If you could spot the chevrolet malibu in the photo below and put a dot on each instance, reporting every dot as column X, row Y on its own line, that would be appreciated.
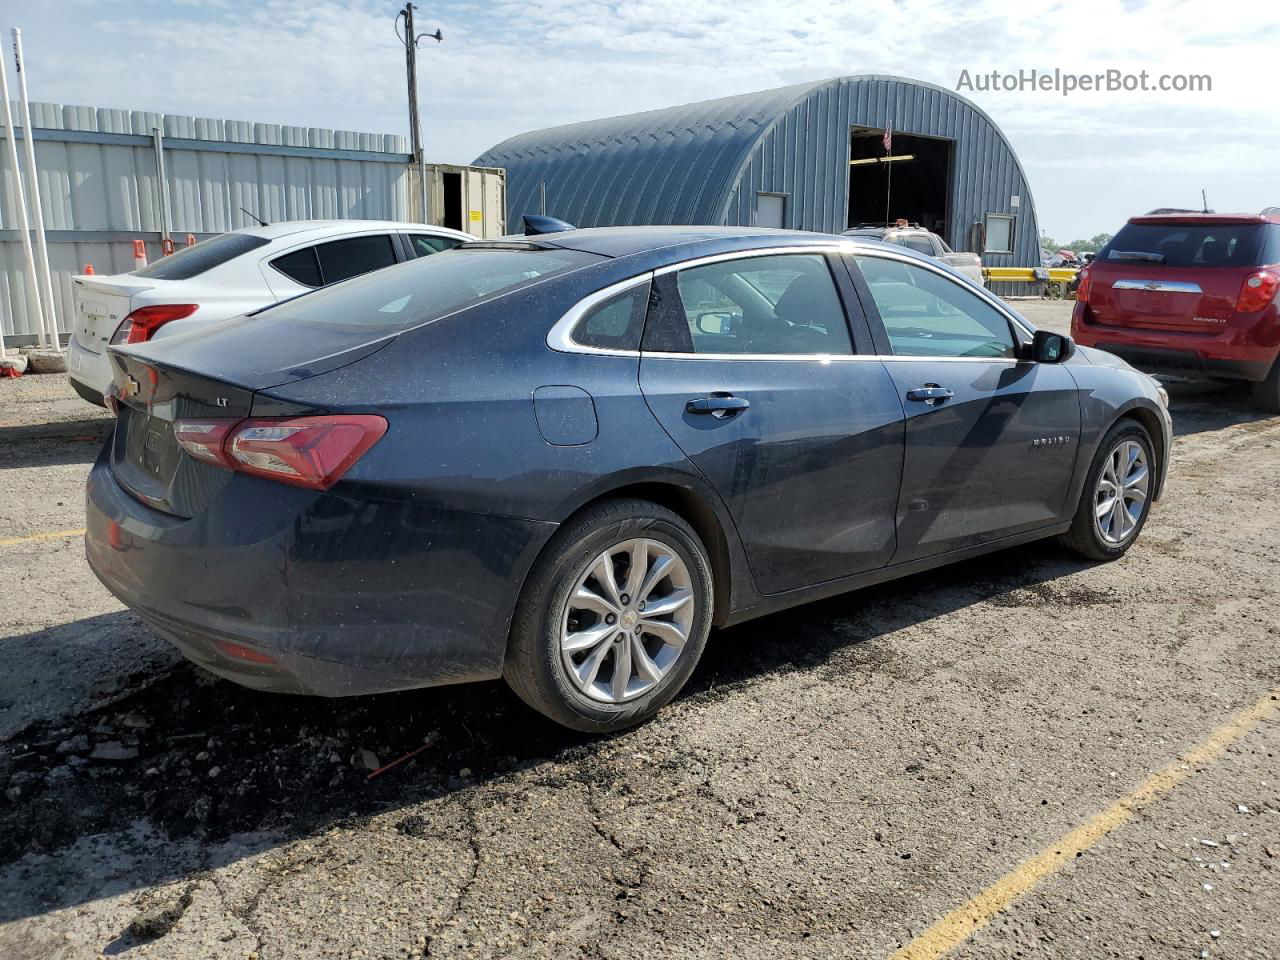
column 561, row 460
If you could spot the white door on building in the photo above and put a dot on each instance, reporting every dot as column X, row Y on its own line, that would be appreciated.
column 771, row 210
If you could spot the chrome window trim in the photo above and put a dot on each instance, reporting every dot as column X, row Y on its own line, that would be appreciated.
column 560, row 336
column 824, row 357
column 800, row 248
column 1158, row 286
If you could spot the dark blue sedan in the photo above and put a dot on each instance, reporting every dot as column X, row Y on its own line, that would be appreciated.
column 563, row 459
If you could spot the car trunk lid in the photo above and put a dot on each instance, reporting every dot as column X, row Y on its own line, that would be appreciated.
column 101, row 304
column 163, row 381
column 1143, row 295
column 145, row 456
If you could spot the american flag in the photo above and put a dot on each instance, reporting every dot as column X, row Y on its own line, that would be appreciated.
column 887, row 139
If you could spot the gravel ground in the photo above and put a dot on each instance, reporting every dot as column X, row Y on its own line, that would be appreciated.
column 833, row 780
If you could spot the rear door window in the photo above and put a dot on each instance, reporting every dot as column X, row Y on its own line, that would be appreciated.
column 344, row 259
column 425, row 244
column 1187, row 244
column 192, row 261
column 784, row 304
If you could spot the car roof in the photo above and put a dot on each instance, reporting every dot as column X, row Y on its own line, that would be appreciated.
column 625, row 241
column 291, row 228
column 1205, row 218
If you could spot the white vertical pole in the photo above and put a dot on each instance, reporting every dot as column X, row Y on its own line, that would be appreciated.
column 20, row 201
column 45, row 278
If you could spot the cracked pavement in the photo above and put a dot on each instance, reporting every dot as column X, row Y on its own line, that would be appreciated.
column 833, row 779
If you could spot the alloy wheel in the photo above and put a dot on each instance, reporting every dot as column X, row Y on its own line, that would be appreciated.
column 626, row 620
column 1121, row 493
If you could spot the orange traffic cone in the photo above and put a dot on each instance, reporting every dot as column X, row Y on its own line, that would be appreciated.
column 139, row 254
column 88, row 269
column 191, row 239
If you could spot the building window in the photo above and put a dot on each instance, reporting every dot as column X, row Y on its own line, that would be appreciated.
column 771, row 210
column 999, row 234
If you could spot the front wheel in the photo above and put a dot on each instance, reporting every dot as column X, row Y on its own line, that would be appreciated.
column 1117, row 494
column 613, row 618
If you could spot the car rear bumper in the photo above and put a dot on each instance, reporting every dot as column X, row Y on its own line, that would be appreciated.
column 1181, row 363
column 288, row 590
column 1193, row 355
column 89, row 373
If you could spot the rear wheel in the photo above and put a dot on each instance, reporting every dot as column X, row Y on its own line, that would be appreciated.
column 1117, row 494
column 613, row 618
column 1266, row 392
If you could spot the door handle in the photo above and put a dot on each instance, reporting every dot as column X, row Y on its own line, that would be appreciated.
column 721, row 405
column 931, row 394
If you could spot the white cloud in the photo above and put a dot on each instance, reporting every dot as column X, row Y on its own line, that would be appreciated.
column 514, row 65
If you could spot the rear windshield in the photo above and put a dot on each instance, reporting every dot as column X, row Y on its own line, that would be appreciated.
column 192, row 261
column 1189, row 245
column 426, row 289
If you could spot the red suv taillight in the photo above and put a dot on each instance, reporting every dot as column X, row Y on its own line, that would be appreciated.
column 304, row 451
column 141, row 325
column 1082, row 289
column 1258, row 290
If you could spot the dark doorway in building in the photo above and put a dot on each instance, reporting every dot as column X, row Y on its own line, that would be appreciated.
column 918, row 187
column 452, row 184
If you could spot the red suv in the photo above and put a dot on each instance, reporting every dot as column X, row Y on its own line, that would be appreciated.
column 1189, row 294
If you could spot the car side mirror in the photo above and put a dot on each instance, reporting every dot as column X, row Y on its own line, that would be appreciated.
column 1049, row 347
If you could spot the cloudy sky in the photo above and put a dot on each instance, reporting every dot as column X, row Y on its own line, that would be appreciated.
column 507, row 66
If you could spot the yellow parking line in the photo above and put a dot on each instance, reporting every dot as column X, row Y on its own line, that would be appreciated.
column 957, row 926
column 48, row 535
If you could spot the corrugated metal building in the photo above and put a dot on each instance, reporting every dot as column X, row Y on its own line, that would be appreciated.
column 806, row 157
column 101, row 189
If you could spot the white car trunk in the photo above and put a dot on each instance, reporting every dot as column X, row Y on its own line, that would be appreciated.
column 102, row 303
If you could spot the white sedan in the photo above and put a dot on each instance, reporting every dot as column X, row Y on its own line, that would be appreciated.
column 228, row 275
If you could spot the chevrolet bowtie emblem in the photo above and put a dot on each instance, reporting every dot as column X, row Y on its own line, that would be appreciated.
column 131, row 387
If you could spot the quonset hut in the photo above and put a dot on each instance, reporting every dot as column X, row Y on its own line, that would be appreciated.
column 805, row 157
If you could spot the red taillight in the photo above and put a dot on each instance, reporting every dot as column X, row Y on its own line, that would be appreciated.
column 1258, row 290
column 304, row 451
column 1082, row 290
column 141, row 325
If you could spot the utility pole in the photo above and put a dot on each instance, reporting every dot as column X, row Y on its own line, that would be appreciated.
column 410, row 40
column 43, row 278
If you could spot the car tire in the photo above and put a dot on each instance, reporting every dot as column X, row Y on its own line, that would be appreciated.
column 1108, row 535
column 550, row 657
column 1266, row 392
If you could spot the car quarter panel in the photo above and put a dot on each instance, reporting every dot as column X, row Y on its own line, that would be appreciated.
column 464, row 433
